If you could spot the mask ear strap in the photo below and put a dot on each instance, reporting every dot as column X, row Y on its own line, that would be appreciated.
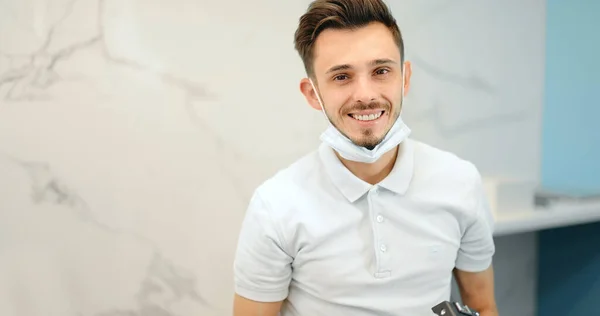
column 320, row 101
column 402, row 88
column 317, row 94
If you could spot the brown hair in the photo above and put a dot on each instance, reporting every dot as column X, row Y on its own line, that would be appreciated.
column 340, row 14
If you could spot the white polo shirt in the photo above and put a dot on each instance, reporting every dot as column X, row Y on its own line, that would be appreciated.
column 331, row 244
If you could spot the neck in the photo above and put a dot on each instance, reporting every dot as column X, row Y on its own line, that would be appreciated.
column 372, row 173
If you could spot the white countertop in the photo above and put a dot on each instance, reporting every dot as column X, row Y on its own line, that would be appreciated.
column 558, row 215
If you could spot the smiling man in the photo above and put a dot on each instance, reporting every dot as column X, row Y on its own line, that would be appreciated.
column 372, row 222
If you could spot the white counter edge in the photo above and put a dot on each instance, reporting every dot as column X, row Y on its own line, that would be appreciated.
column 544, row 218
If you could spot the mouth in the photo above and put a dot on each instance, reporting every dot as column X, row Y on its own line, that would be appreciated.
column 367, row 116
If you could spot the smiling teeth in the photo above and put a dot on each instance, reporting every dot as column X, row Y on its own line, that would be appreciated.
column 369, row 117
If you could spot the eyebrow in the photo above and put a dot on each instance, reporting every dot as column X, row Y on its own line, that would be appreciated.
column 376, row 62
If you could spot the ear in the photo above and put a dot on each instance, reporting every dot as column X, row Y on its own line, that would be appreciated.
column 407, row 75
column 310, row 94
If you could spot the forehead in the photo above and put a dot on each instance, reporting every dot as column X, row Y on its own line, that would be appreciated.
column 356, row 47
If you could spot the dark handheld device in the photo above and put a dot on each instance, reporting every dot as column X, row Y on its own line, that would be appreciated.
column 447, row 308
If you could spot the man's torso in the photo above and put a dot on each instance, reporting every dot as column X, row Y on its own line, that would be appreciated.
column 360, row 250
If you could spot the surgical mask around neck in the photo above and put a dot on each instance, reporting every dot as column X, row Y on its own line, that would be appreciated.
column 347, row 149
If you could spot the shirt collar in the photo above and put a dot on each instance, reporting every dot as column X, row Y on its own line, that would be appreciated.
column 353, row 188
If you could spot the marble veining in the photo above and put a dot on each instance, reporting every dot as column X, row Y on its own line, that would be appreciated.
column 163, row 278
column 36, row 69
column 29, row 75
column 468, row 81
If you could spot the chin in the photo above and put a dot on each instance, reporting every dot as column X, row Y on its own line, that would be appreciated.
column 368, row 143
column 368, row 138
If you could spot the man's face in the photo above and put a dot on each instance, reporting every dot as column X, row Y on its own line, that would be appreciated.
column 358, row 75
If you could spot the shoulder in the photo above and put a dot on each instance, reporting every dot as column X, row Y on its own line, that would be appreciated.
column 292, row 176
column 446, row 179
column 291, row 185
column 280, row 202
column 437, row 164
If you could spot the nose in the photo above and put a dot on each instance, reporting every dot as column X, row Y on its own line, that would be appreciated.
column 364, row 91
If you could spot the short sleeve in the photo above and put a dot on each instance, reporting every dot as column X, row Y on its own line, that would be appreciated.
column 477, row 244
column 262, row 268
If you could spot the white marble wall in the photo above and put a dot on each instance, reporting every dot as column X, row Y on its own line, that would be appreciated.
column 132, row 133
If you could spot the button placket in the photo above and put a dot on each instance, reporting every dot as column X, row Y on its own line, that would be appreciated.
column 380, row 245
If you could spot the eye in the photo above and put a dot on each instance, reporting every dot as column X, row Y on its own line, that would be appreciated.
column 382, row 71
column 340, row 77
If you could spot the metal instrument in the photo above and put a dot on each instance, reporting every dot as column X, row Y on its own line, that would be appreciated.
column 448, row 308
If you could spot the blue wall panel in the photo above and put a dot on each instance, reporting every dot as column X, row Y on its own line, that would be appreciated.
column 569, row 258
column 571, row 110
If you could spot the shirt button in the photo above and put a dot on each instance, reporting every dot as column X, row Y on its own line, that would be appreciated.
column 374, row 190
column 383, row 248
column 379, row 219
